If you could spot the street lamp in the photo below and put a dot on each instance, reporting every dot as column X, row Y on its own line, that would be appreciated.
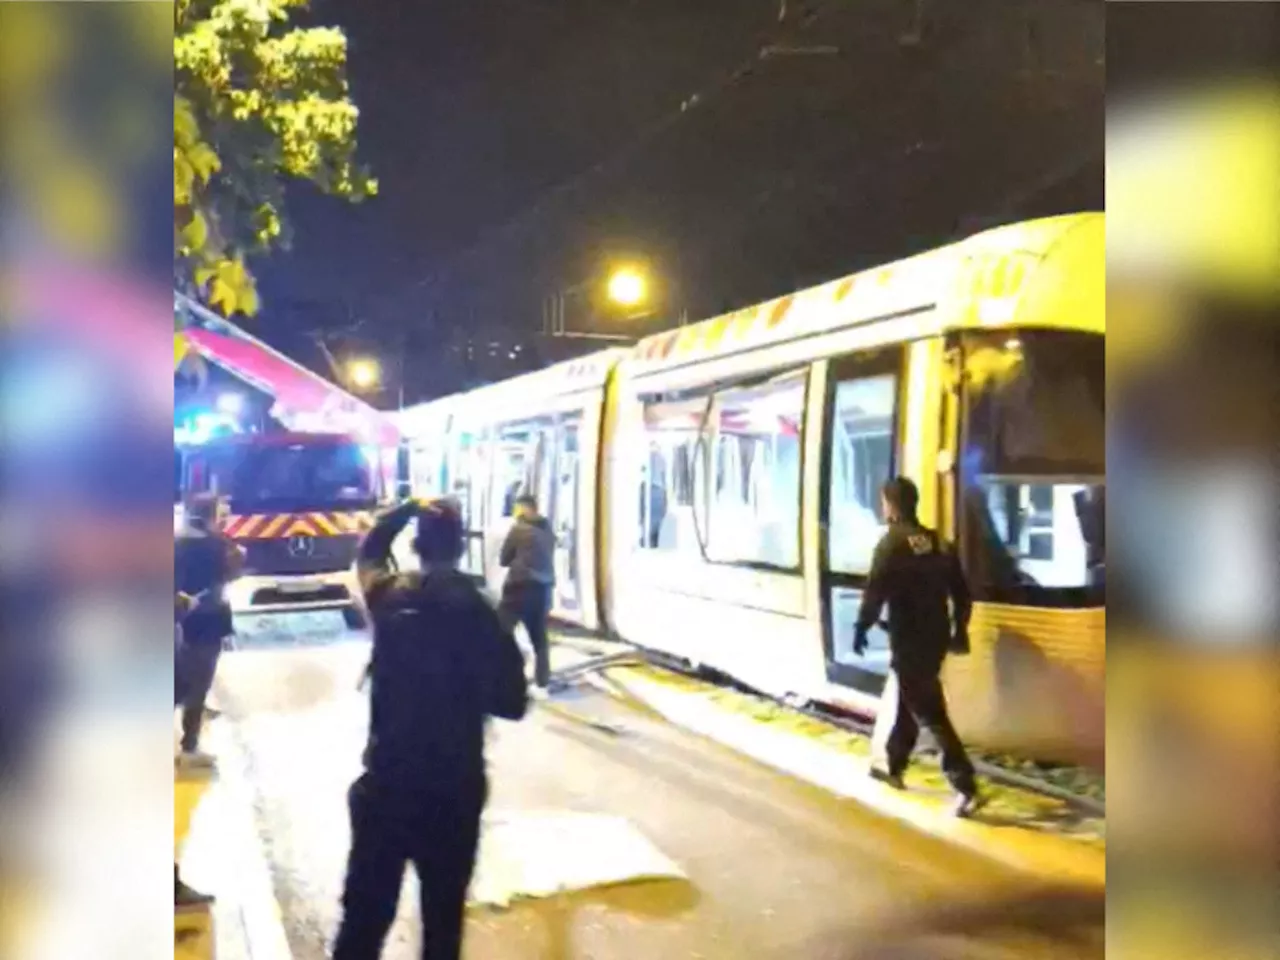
column 628, row 287
column 364, row 373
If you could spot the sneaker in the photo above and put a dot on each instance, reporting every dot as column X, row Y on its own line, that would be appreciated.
column 967, row 804
column 888, row 779
column 185, row 898
column 538, row 694
column 196, row 760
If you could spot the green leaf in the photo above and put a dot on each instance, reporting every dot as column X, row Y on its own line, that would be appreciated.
column 196, row 233
column 203, row 161
column 286, row 116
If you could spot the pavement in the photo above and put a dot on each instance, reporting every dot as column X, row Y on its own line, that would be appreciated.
column 1041, row 836
column 775, row 866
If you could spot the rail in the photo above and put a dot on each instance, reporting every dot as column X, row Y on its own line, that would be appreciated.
column 633, row 656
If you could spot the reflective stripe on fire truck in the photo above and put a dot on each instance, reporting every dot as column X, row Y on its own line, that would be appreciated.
column 283, row 525
column 274, row 526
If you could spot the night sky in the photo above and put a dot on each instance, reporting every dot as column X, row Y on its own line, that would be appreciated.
column 523, row 145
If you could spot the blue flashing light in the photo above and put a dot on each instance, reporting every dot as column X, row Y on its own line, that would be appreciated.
column 232, row 404
column 204, row 427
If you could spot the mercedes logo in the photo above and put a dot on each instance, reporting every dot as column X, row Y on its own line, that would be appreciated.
column 301, row 546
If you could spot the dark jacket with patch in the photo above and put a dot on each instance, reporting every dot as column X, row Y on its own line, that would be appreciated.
column 202, row 566
column 442, row 665
column 920, row 579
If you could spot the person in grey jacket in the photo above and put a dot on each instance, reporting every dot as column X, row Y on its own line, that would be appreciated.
column 528, row 554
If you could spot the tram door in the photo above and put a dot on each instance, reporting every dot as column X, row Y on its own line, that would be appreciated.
column 564, row 518
column 859, row 454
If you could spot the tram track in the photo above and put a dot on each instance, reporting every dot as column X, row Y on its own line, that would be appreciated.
column 1002, row 769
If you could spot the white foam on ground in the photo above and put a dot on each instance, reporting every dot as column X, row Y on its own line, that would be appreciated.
column 224, row 857
column 540, row 854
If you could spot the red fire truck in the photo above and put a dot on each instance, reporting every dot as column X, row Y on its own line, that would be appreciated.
column 298, row 503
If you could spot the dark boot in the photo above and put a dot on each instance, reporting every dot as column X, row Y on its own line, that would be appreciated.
column 893, row 780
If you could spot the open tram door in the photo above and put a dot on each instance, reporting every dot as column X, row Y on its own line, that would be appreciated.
column 861, row 449
column 541, row 457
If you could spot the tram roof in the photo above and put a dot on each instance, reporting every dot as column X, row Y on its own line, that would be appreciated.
column 570, row 376
column 1039, row 273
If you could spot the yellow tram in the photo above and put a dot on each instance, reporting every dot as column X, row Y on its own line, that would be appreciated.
column 714, row 488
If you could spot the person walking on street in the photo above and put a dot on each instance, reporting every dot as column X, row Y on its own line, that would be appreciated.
column 921, row 581
column 442, row 664
column 204, row 563
column 528, row 554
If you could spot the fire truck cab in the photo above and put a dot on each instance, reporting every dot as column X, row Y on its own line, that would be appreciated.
column 298, row 504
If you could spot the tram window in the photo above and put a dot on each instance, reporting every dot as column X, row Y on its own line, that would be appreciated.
column 1033, row 468
column 668, row 476
column 467, row 481
column 541, row 473
column 509, row 478
column 466, row 473
column 424, row 471
column 754, row 458
column 560, row 499
column 861, row 443
column 1038, row 531
column 510, row 468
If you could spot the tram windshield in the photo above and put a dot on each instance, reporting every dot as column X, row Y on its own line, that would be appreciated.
column 1033, row 467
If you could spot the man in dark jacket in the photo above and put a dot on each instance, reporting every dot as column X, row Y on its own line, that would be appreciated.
column 442, row 665
column 923, row 584
column 528, row 553
column 204, row 562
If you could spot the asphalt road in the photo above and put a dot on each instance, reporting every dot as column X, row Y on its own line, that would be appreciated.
column 776, row 868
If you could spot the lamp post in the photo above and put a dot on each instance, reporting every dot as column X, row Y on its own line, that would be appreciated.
column 626, row 287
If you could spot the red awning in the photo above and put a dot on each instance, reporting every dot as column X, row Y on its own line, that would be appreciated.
column 304, row 400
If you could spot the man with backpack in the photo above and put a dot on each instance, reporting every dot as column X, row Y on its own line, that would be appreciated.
column 442, row 664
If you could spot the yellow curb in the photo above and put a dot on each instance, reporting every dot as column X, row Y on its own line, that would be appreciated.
column 189, row 787
column 193, row 935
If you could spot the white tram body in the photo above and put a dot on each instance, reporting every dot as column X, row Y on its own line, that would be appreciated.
column 715, row 489
column 539, row 432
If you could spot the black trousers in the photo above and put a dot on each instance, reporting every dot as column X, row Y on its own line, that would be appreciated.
column 530, row 604
column 195, row 665
column 439, row 836
column 922, row 703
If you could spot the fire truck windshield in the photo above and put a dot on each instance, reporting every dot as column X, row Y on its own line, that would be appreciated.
column 294, row 476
